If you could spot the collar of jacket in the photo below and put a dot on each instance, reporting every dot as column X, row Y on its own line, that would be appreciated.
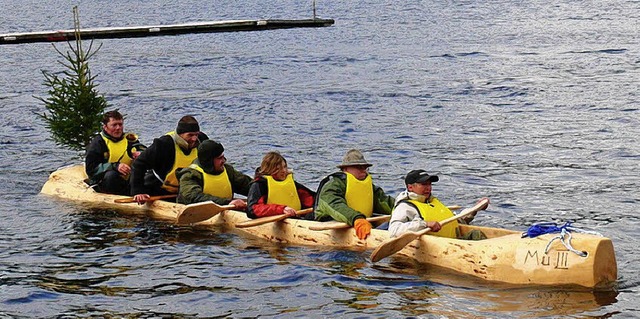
column 206, row 167
column 105, row 134
column 411, row 196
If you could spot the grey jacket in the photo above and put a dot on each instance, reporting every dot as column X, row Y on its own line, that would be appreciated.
column 405, row 217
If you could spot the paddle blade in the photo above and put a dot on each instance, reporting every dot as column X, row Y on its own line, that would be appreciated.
column 395, row 245
column 194, row 213
column 270, row 219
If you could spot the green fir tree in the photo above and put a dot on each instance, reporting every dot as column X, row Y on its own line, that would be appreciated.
column 74, row 107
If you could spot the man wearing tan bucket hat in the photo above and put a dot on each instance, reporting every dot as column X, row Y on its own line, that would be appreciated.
column 350, row 196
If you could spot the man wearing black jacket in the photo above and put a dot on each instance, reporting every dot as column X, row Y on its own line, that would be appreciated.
column 110, row 155
column 154, row 172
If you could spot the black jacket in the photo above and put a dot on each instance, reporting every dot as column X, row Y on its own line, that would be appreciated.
column 158, row 158
column 96, row 161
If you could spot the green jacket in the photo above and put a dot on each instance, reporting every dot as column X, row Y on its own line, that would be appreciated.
column 191, row 183
column 331, row 202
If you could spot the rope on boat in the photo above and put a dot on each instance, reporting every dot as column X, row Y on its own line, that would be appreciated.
column 564, row 236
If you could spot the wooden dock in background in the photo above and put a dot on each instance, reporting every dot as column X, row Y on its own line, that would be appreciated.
column 162, row 30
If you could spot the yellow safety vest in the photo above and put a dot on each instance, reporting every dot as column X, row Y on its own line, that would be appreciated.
column 436, row 211
column 117, row 150
column 283, row 192
column 359, row 194
column 215, row 185
column 171, row 182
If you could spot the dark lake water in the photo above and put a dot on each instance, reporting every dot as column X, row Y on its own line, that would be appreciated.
column 534, row 104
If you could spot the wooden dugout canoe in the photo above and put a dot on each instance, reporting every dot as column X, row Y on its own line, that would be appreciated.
column 504, row 257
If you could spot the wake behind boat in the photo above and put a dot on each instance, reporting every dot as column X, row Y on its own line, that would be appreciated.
column 504, row 257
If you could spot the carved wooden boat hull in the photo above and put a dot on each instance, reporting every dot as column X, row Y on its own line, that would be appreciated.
column 504, row 257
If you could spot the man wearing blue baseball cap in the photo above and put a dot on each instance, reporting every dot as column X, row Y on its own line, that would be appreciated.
column 416, row 208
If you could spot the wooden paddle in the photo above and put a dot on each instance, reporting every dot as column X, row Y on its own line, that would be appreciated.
column 151, row 198
column 394, row 245
column 340, row 225
column 198, row 212
column 270, row 219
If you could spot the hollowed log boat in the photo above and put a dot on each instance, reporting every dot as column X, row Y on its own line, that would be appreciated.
column 505, row 256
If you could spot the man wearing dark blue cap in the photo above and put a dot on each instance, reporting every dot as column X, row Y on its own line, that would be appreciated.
column 416, row 209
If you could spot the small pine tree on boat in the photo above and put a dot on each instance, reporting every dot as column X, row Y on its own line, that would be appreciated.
column 74, row 107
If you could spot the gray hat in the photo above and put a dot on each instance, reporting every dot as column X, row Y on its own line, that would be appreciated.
column 354, row 158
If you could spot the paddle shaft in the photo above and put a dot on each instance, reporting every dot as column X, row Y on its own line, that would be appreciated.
column 340, row 225
column 270, row 219
column 151, row 198
column 413, row 235
column 394, row 245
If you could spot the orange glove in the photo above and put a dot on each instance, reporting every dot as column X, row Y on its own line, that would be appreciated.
column 363, row 228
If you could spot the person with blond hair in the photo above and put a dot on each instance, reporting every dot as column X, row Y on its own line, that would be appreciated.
column 275, row 192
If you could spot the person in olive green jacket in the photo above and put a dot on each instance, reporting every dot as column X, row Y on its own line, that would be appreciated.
column 210, row 178
column 350, row 196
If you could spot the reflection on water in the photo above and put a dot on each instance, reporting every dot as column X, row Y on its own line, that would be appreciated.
column 545, row 302
column 490, row 298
